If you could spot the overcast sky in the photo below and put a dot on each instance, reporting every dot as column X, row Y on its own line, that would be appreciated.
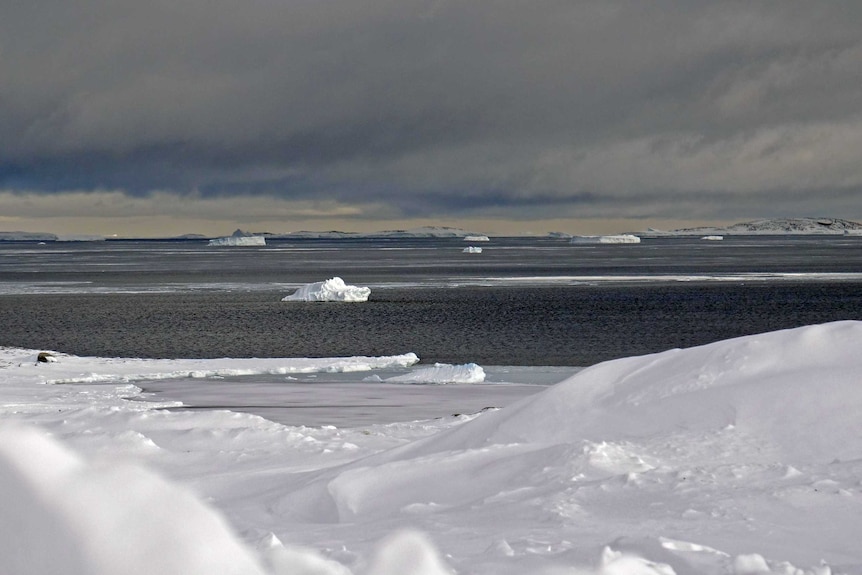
column 172, row 116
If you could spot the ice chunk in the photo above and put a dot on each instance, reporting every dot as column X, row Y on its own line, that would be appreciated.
column 443, row 373
column 330, row 290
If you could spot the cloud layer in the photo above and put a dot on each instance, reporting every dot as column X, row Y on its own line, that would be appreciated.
column 413, row 108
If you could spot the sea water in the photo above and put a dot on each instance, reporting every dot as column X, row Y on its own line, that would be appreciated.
column 521, row 302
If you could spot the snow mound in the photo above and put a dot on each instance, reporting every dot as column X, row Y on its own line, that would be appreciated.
column 64, row 515
column 723, row 442
column 472, row 250
column 616, row 239
column 795, row 391
column 442, row 373
column 330, row 290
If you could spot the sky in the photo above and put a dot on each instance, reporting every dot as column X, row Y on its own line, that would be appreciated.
column 164, row 117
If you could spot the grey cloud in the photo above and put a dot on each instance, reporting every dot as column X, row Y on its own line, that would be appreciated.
column 437, row 106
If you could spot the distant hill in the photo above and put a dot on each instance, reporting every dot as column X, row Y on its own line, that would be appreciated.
column 27, row 237
column 776, row 226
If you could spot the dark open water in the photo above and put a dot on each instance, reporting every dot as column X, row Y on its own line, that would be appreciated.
column 521, row 302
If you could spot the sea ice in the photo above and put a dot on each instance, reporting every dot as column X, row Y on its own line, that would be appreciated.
column 330, row 290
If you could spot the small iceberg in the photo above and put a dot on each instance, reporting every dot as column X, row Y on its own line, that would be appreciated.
column 442, row 373
column 477, row 239
column 330, row 290
column 617, row 239
column 239, row 238
column 472, row 250
column 713, row 238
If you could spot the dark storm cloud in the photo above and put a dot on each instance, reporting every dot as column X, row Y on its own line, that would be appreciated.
column 617, row 107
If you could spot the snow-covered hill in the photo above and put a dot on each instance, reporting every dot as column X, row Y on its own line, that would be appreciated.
column 776, row 226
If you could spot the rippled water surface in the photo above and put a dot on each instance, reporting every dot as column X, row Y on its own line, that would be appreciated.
column 520, row 302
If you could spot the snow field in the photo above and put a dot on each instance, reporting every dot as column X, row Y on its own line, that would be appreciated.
column 738, row 457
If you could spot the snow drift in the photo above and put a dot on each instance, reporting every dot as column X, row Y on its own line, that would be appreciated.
column 330, row 290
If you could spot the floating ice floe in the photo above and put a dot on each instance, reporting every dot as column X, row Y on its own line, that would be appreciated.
column 330, row 290
column 442, row 373
column 477, row 239
column 713, row 238
column 616, row 239
column 472, row 250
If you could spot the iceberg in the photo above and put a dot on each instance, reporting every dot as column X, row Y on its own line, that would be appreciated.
column 333, row 289
column 615, row 239
column 239, row 241
column 713, row 238
column 477, row 238
column 239, row 238
column 472, row 250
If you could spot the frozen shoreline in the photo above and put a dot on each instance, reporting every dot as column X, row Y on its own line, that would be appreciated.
column 734, row 457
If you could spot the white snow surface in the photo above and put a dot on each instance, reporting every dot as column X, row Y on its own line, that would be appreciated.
column 442, row 373
column 614, row 239
column 739, row 457
column 333, row 289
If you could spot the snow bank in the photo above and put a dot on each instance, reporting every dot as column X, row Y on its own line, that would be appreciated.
column 472, row 250
column 617, row 239
column 442, row 373
column 330, row 290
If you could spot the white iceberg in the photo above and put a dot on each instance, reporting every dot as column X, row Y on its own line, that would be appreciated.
column 713, row 238
column 442, row 373
column 239, row 238
column 472, row 250
column 333, row 289
column 238, row 241
column 615, row 239
column 477, row 238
